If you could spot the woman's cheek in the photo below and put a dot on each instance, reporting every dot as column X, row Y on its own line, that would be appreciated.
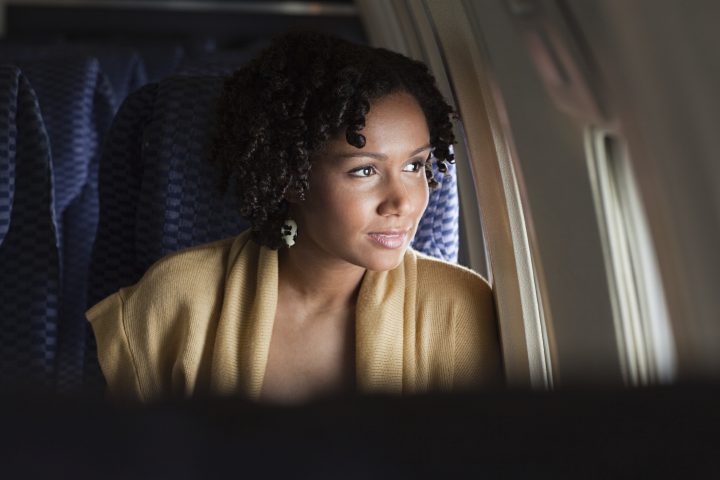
column 422, row 198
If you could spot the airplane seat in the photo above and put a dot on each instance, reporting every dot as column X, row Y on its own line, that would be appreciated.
column 438, row 233
column 158, row 192
column 113, row 262
column 126, row 73
column 77, row 105
column 123, row 66
column 132, row 64
column 29, row 255
column 180, row 187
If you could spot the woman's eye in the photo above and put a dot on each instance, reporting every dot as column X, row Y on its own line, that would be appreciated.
column 363, row 171
column 415, row 166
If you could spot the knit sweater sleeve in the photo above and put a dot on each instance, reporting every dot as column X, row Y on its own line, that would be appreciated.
column 155, row 339
column 477, row 360
column 116, row 358
column 465, row 341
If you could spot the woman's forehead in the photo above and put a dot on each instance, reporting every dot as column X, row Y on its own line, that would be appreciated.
column 395, row 124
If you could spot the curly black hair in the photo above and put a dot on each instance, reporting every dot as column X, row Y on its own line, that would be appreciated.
column 284, row 105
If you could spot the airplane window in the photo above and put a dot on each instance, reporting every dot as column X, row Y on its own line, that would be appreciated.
column 493, row 231
column 643, row 332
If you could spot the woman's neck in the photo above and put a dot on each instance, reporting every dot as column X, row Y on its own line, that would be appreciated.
column 317, row 282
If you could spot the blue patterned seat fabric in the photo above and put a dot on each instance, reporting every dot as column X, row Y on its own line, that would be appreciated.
column 181, row 206
column 114, row 263
column 158, row 192
column 114, row 259
column 123, row 67
column 77, row 106
column 29, row 259
column 438, row 233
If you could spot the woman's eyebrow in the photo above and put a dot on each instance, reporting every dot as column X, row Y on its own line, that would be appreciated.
column 380, row 156
column 420, row 149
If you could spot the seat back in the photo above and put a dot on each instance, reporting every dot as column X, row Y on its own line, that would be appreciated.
column 114, row 257
column 29, row 256
column 182, row 206
column 77, row 104
column 438, row 233
column 158, row 192
column 123, row 67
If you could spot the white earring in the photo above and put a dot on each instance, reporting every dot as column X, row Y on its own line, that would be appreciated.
column 289, row 232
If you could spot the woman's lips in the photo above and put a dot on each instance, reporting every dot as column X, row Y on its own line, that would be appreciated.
column 390, row 239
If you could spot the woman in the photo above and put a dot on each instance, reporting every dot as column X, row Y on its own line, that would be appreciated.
column 329, row 146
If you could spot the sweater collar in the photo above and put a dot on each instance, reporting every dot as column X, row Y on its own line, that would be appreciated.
column 384, row 312
column 384, row 329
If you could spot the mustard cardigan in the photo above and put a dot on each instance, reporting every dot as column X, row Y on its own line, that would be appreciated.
column 200, row 322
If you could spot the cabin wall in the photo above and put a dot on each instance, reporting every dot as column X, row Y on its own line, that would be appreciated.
column 550, row 152
column 661, row 73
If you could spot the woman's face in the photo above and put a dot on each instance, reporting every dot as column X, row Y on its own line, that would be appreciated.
column 364, row 204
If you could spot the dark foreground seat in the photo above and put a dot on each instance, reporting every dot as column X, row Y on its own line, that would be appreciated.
column 29, row 256
column 649, row 433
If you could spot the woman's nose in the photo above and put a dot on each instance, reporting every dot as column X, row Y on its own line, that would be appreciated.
column 397, row 198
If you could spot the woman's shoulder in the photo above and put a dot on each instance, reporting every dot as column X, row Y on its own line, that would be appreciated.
column 457, row 304
column 191, row 275
column 192, row 263
column 439, row 278
column 144, row 330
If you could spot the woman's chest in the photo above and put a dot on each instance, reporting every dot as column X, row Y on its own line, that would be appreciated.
column 310, row 358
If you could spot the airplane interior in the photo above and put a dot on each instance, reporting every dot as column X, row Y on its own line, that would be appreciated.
column 585, row 190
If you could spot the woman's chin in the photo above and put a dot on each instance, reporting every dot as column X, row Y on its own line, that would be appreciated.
column 384, row 263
